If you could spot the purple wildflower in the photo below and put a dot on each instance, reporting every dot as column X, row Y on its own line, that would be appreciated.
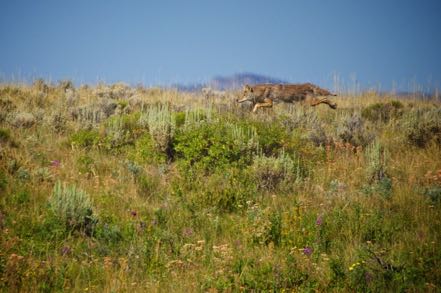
column 187, row 232
column 319, row 221
column 55, row 163
column 368, row 277
column 307, row 251
column 65, row 250
column 133, row 213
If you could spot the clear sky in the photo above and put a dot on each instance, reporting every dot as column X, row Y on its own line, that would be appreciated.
column 376, row 42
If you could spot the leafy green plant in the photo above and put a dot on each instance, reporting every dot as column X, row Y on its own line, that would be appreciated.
column 73, row 207
column 161, row 126
column 434, row 193
column 145, row 151
column 85, row 164
column 376, row 171
column 85, row 138
column 422, row 126
column 376, row 157
column 352, row 130
column 3, row 181
column 213, row 145
column 271, row 137
column 270, row 171
column 5, row 135
column 383, row 111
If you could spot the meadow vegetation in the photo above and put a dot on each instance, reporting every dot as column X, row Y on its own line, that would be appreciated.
column 111, row 188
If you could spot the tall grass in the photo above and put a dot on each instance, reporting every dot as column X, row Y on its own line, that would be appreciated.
column 113, row 188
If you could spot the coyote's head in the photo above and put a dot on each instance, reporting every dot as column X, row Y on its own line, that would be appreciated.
column 321, row 92
column 247, row 94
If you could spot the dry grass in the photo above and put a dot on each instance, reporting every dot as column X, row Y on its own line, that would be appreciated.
column 170, row 221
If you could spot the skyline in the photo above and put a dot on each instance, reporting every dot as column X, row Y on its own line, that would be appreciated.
column 373, row 44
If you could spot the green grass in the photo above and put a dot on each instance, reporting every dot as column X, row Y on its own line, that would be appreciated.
column 167, row 191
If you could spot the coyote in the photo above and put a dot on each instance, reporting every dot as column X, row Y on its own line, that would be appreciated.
column 263, row 95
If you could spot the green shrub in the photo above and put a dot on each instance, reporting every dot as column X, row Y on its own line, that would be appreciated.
column 161, row 125
column 214, row 145
column 352, row 130
column 179, row 119
column 85, row 164
column 5, row 135
column 145, row 151
column 6, row 105
column 433, row 193
column 376, row 171
column 21, row 197
column 109, row 233
column 270, row 171
column 383, row 111
column 271, row 137
column 23, row 174
column 225, row 190
column 23, row 120
column 121, row 130
column 85, row 138
column 422, row 126
column 73, row 207
column 42, row 174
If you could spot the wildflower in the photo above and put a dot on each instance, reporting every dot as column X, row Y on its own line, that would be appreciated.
column 354, row 265
column 65, row 250
column 55, row 163
column 307, row 251
column 187, row 232
column 319, row 221
column 133, row 213
column 368, row 277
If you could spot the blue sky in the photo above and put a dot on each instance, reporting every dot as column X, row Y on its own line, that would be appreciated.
column 376, row 42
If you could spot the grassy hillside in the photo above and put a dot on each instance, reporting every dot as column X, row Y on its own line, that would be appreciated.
column 115, row 189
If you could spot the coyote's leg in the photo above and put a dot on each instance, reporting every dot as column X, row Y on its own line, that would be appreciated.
column 266, row 103
column 324, row 101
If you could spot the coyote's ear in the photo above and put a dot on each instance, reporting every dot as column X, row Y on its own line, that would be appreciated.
column 248, row 88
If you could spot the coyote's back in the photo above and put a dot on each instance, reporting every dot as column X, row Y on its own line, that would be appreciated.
column 263, row 95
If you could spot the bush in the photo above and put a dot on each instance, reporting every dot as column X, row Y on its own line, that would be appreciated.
column 423, row 126
column 161, row 125
column 270, row 171
column 6, row 108
column 271, row 137
column 145, row 151
column 209, row 146
column 352, row 130
column 73, row 207
column 5, row 135
column 23, row 120
column 433, row 193
column 382, row 111
column 376, row 159
column 3, row 181
column 85, row 164
column 58, row 123
column 317, row 135
column 85, row 138
column 378, row 178
column 121, row 131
